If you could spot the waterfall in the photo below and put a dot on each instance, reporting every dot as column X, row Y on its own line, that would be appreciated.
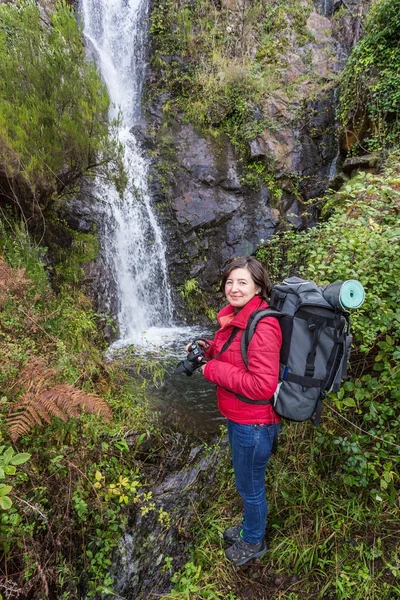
column 131, row 237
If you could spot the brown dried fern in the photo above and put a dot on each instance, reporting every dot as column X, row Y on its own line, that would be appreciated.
column 44, row 400
column 12, row 282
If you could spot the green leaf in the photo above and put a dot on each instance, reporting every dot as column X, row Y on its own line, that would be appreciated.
column 7, row 456
column 349, row 402
column 20, row 459
column 5, row 502
column 5, row 489
column 9, row 470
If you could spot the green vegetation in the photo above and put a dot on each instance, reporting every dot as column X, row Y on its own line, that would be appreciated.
column 196, row 299
column 64, row 492
column 62, row 513
column 370, row 87
column 66, row 489
column 219, row 62
column 360, row 241
column 8, row 463
column 53, row 110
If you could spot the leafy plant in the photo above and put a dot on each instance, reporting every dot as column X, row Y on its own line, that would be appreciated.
column 54, row 108
column 9, row 460
column 43, row 400
column 358, row 240
column 195, row 298
column 370, row 86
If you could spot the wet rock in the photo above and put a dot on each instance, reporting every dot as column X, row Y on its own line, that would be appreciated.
column 360, row 163
column 140, row 569
column 214, row 216
column 207, row 213
column 329, row 7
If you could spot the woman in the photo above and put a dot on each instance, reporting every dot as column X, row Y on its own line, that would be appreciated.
column 252, row 424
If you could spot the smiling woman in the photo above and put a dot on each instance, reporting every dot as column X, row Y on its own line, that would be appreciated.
column 244, row 398
column 240, row 288
column 243, row 279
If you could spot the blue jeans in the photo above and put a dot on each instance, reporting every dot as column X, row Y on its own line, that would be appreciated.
column 251, row 447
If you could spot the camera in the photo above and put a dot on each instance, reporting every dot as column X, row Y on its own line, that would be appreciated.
column 193, row 361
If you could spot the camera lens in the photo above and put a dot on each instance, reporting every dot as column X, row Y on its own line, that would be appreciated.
column 193, row 360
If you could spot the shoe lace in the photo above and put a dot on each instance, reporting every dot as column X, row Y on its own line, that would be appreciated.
column 240, row 544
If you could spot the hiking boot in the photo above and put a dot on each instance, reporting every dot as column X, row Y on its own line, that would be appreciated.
column 232, row 534
column 241, row 552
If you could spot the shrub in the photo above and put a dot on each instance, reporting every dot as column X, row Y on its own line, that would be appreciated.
column 359, row 241
column 53, row 107
column 370, row 87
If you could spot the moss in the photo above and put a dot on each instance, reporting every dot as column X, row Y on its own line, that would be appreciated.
column 216, row 66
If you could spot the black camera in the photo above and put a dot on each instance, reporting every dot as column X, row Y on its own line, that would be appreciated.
column 193, row 361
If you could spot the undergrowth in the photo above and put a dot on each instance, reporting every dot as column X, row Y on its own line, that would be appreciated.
column 54, row 127
column 370, row 96
column 65, row 492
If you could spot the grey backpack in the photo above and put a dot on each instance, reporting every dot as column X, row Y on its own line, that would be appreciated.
column 315, row 347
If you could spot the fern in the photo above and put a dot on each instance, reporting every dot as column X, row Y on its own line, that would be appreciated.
column 12, row 282
column 42, row 400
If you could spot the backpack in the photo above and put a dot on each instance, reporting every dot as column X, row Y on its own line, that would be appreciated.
column 315, row 349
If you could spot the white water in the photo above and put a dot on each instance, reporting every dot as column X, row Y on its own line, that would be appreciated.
column 132, row 239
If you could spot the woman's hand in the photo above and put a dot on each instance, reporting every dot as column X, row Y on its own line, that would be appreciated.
column 201, row 343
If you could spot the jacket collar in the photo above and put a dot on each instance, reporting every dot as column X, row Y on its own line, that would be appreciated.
column 241, row 318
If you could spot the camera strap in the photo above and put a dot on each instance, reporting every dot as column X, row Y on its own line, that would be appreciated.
column 228, row 342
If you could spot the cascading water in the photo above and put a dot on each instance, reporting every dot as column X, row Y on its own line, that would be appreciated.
column 131, row 237
column 132, row 240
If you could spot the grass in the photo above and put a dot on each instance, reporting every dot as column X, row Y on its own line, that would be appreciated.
column 327, row 540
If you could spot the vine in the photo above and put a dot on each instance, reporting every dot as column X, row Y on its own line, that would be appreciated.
column 370, row 86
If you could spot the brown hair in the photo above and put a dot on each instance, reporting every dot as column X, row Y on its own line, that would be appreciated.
column 258, row 273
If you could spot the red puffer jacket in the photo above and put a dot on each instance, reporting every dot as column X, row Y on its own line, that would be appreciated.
column 229, row 373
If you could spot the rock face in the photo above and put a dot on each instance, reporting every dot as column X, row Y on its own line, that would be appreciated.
column 206, row 207
column 212, row 216
column 208, row 214
column 153, row 547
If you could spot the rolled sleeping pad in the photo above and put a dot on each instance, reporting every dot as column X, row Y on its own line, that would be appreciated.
column 345, row 294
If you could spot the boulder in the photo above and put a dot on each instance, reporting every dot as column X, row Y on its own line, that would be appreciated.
column 366, row 162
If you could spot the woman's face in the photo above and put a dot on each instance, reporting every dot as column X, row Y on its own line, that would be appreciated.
column 240, row 288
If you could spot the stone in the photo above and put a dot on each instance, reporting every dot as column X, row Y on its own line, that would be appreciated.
column 322, row 57
column 360, row 163
column 211, row 216
column 277, row 107
column 137, row 566
column 257, row 148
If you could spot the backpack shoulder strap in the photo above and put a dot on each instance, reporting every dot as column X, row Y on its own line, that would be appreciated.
column 248, row 333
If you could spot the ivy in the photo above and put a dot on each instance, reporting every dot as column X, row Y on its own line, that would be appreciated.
column 370, row 87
